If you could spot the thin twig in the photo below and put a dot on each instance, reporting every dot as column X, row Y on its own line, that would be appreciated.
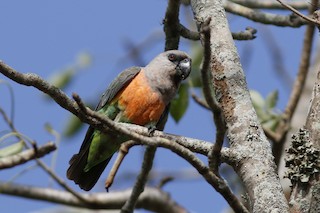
column 302, row 73
column 164, row 181
column 247, row 34
column 271, row 4
column 199, row 101
column 123, row 151
column 262, row 17
column 142, row 178
column 289, row 7
column 297, row 87
column 188, row 34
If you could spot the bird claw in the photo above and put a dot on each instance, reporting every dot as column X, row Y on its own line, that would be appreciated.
column 151, row 130
column 107, row 189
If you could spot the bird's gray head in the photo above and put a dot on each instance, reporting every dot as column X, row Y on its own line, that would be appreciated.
column 175, row 64
column 167, row 70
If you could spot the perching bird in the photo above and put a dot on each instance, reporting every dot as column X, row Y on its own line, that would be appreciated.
column 138, row 95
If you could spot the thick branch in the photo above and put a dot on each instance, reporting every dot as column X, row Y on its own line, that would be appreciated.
column 208, row 91
column 255, row 165
column 305, row 195
column 262, row 17
column 247, row 34
column 271, row 4
column 313, row 118
column 151, row 199
column 171, row 24
column 27, row 155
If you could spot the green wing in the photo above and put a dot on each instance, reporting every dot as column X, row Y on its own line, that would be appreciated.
column 86, row 180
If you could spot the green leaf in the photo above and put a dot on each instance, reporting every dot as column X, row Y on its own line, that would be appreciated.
column 258, row 104
column 272, row 99
column 195, row 78
column 84, row 60
column 73, row 126
column 62, row 79
column 271, row 124
column 12, row 149
column 49, row 128
column 195, row 75
column 257, row 100
column 180, row 104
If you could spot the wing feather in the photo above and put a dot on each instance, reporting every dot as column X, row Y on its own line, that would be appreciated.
column 86, row 180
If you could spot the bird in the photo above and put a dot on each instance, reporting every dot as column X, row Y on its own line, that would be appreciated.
column 138, row 95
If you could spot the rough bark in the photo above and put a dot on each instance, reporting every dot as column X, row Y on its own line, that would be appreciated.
column 303, row 159
column 255, row 164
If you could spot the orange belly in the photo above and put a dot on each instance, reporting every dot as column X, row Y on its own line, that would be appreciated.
column 140, row 104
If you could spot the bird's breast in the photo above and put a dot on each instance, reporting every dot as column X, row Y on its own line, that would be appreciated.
column 139, row 102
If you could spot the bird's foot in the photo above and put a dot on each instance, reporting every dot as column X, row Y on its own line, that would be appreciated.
column 151, row 130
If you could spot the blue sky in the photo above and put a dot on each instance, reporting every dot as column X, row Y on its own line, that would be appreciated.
column 45, row 37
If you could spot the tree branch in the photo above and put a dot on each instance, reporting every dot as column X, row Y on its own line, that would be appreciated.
column 303, row 71
column 255, row 165
column 151, row 199
column 195, row 145
column 313, row 118
column 305, row 194
column 105, row 124
column 262, row 17
column 123, row 151
column 209, row 94
column 247, row 34
column 39, row 162
column 142, row 178
column 170, row 25
column 271, row 4
column 289, row 7
column 27, row 155
column 296, row 92
column 188, row 34
column 31, row 79
column 216, row 182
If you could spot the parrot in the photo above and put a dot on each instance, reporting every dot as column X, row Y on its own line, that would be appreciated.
column 138, row 95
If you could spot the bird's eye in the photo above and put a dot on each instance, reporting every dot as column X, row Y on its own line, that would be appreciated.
column 172, row 57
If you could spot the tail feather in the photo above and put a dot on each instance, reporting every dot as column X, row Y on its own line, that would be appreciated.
column 86, row 180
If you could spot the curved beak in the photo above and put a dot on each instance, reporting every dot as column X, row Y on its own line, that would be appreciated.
column 185, row 68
